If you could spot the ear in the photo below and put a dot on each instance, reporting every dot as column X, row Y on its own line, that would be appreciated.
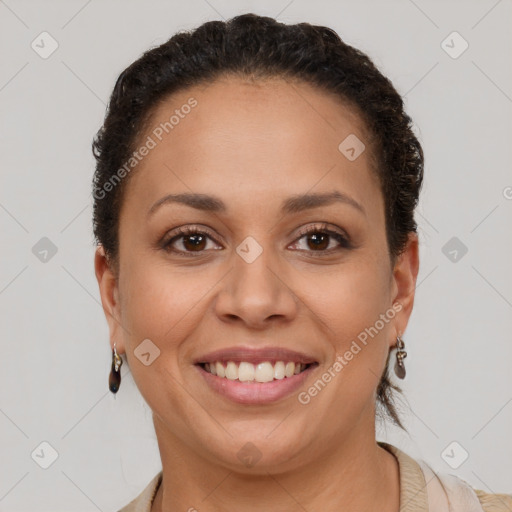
column 109, row 293
column 404, row 278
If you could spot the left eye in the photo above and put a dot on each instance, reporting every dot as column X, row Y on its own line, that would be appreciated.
column 320, row 239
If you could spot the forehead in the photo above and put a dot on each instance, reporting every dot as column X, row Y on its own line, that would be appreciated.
column 262, row 107
column 255, row 137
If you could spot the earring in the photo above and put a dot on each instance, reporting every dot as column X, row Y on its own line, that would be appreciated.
column 114, row 379
column 401, row 354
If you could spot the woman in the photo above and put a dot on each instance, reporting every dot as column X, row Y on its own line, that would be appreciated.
column 257, row 259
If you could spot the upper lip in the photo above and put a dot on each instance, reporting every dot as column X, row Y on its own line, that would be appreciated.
column 255, row 356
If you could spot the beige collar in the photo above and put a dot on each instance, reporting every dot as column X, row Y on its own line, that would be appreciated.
column 413, row 487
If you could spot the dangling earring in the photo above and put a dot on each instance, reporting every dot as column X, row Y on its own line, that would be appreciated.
column 401, row 354
column 114, row 379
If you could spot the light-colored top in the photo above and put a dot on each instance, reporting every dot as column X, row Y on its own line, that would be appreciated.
column 419, row 488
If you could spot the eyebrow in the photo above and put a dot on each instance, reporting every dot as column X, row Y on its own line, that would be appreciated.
column 293, row 204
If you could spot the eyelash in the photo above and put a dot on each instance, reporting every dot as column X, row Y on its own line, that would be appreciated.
column 322, row 229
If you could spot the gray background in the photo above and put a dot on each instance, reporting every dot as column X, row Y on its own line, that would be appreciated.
column 55, row 354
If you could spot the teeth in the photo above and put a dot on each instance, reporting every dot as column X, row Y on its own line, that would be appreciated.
column 248, row 372
column 279, row 370
column 264, row 372
column 220, row 370
column 231, row 371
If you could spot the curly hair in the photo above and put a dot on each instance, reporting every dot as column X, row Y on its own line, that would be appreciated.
column 259, row 47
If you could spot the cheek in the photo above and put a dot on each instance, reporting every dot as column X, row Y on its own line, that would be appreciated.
column 355, row 307
column 165, row 308
column 347, row 309
column 352, row 299
column 359, row 351
column 162, row 305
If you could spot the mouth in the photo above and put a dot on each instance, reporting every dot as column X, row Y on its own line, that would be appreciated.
column 255, row 383
column 248, row 375
column 262, row 372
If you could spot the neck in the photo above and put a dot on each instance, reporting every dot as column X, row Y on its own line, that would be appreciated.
column 357, row 475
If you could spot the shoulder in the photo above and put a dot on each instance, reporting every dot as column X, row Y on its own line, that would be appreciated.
column 423, row 489
column 142, row 503
column 494, row 502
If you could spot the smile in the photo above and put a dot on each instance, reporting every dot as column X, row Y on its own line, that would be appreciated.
column 248, row 372
column 255, row 384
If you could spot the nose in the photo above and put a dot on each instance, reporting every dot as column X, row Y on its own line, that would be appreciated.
column 256, row 292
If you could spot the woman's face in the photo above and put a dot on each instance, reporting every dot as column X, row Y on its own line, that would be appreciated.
column 251, row 279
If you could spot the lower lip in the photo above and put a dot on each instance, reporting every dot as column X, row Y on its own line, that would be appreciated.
column 255, row 392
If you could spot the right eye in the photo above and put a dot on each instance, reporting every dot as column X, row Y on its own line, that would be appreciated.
column 191, row 239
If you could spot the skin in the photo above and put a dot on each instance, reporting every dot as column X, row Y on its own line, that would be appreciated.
column 254, row 144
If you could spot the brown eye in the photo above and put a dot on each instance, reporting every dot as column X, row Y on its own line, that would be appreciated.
column 193, row 242
column 188, row 240
column 321, row 239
